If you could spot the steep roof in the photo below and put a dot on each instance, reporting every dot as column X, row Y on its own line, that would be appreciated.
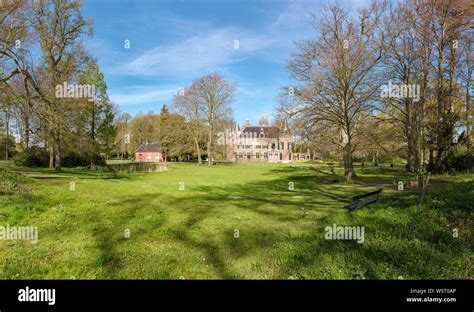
column 148, row 148
column 256, row 131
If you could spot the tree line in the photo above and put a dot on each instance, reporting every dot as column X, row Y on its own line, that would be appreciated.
column 391, row 77
column 53, row 92
column 56, row 111
column 188, row 129
column 388, row 81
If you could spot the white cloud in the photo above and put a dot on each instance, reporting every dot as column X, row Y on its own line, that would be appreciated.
column 136, row 95
column 205, row 52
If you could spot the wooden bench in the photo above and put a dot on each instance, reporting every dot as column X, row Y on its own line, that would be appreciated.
column 372, row 197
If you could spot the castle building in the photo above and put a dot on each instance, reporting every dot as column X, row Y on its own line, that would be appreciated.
column 262, row 143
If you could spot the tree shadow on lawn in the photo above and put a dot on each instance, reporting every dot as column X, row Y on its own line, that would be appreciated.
column 271, row 200
column 107, row 236
column 109, row 231
column 251, row 197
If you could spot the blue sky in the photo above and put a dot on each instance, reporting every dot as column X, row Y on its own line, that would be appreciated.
column 172, row 42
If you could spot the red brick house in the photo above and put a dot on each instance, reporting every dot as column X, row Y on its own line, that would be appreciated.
column 148, row 152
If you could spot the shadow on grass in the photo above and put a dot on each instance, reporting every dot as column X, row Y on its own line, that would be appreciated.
column 392, row 245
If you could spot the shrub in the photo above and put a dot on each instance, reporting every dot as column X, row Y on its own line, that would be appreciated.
column 11, row 182
column 454, row 163
column 136, row 167
column 74, row 159
column 463, row 162
column 32, row 157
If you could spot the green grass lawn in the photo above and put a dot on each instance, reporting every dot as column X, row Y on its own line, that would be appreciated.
column 234, row 221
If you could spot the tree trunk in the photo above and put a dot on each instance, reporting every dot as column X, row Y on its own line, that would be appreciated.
column 92, row 156
column 7, row 140
column 198, row 151
column 349, row 172
column 468, row 101
column 57, row 141
column 410, row 134
column 209, row 148
column 26, row 132
column 411, row 157
column 51, row 156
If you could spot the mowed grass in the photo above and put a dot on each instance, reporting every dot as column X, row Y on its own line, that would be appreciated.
column 235, row 222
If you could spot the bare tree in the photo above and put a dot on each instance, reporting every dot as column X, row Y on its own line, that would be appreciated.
column 445, row 23
column 13, row 36
column 208, row 100
column 337, row 73
column 403, row 65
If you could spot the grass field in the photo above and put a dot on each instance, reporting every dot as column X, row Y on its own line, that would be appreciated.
column 234, row 222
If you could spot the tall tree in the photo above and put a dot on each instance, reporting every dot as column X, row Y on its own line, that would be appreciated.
column 214, row 94
column 337, row 72
column 403, row 67
column 99, row 113
column 206, row 101
column 173, row 136
column 445, row 23
column 60, row 25
column 186, row 105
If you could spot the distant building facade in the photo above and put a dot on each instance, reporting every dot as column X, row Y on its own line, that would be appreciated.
column 262, row 143
column 148, row 152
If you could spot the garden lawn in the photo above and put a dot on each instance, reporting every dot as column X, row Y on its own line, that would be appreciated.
column 234, row 222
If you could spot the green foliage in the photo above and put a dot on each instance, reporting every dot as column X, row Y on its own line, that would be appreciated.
column 463, row 162
column 455, row 162
column 32, row 157
column 12, row 182
column 100, row 114
column 173, row 135
column 136, row 167
column 3, row 145
column 76, row 159
column 454, row 200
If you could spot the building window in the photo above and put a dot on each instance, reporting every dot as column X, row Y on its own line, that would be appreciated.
column 273, row 146
column 289, row 155
column 281, row 156
column 289, row 146
column 257, row 155
column 148, row 157
column 265, row 155
column 282, row 146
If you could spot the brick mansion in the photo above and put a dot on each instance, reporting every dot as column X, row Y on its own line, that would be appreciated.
column 262, row 143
